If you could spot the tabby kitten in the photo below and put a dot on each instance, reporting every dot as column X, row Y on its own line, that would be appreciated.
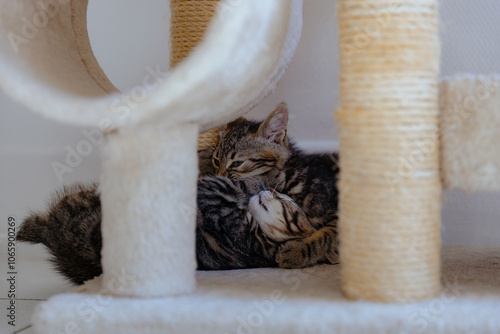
column 240, row 224
column 262, row 150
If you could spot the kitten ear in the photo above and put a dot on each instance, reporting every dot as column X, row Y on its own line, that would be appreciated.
column 274, row 126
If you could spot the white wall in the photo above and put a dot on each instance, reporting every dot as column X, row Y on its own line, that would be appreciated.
column 129, row 37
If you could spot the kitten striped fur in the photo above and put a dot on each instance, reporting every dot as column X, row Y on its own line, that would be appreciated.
column 262, row 150
column 70, row 230
column 240, row 224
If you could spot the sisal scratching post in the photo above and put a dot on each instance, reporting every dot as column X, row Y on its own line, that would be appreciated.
column 390, row 191
column 209, row 139
column 189, row 21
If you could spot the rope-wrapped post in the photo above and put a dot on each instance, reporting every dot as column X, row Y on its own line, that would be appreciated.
column 189, row 21
column 390, row 191
column 209, row 139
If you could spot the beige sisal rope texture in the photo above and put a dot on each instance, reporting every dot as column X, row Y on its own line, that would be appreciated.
column 390, row 191
column 189, row 22
column 209, row 139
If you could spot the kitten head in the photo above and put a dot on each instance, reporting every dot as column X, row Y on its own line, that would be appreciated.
column 279, row 217
column 248, row 149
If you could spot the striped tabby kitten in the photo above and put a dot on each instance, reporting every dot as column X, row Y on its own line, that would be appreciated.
column 262, row 150
column 240, row 224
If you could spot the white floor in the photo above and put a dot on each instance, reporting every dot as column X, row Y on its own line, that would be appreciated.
column 35, row 282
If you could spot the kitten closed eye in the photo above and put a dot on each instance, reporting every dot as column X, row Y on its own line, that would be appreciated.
column 236, row 164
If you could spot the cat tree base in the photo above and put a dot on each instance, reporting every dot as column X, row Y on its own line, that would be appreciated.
column 288, row 301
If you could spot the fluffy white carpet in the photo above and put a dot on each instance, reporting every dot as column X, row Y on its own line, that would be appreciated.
column 288, row 301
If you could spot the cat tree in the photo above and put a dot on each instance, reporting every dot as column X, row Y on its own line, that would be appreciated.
column 390, row 184
column 154, row 145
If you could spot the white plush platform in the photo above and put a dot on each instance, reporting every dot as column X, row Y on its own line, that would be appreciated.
column 289, row 301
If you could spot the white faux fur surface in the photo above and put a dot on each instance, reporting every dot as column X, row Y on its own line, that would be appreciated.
column 470, row 136
column 245, row 51
column 289, row 301
column 148, row 196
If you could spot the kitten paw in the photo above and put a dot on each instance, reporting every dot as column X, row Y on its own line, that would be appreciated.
column 294, row 254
